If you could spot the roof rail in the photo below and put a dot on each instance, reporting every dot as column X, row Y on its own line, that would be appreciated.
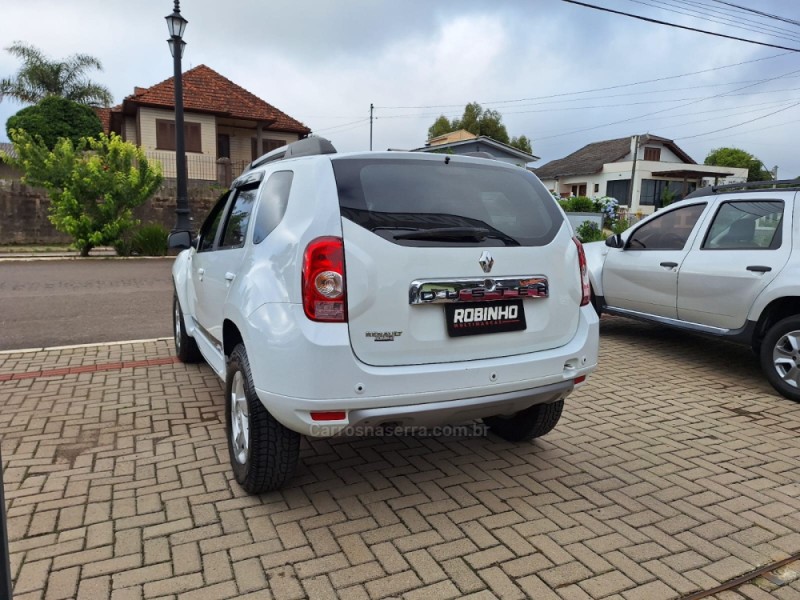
column 777, row 185
column 310, row 146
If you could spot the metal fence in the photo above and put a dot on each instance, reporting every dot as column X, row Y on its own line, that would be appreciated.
column 199, row 166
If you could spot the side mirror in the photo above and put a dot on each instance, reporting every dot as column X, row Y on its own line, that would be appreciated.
column 179, row 240
column 615, row 241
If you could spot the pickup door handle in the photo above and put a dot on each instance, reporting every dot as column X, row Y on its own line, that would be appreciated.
column 671, row 265
column 759, row 269
column 229, row 276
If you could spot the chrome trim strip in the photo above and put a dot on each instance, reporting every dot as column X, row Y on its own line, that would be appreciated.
column 477, row 289
column 206, row 334
column 688, row 325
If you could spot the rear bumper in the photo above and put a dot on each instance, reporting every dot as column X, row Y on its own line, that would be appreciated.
column 372, row 421
column 331, row 379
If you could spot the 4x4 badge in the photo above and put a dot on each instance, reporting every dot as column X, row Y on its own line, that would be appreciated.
column 486, row 261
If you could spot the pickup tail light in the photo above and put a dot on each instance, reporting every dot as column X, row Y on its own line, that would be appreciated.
column 586, row 287
column 323, row 281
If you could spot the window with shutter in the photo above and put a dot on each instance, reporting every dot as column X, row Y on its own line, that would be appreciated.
column 652, row 153
column 165, row 136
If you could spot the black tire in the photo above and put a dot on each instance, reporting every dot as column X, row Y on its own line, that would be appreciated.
column 779, row 358
column 269, row 458
column 527, row 424
column 185, row 345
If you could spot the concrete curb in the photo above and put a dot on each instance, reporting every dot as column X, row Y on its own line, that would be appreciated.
column 31, row 258
column 93, row 345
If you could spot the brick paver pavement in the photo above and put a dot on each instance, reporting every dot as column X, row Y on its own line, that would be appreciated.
column 674, row 469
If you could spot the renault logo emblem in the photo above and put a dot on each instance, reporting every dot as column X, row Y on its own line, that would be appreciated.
column 486, row 261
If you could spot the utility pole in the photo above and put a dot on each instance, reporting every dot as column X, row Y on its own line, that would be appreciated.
column 633, row 173
column 371, row 110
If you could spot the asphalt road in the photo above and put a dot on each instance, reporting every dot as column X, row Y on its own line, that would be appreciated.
column 64, row 302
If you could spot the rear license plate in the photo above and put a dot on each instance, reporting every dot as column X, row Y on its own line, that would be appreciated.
column 472, row 318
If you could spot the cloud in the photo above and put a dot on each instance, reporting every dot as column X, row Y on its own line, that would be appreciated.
column 324, row 63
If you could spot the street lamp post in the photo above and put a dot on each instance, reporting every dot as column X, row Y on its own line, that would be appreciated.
column 177, row 25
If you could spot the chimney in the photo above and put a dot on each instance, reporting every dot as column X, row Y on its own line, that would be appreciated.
column 138, row 90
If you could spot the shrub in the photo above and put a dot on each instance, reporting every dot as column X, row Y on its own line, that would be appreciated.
column 145, row 240
column 582, row 204
column 55, row 118
column 588, row 231
column 150, row 240
column 619, row 226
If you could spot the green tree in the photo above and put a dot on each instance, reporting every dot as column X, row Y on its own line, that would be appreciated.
column 55, row 118
column 93, row 187
column 735, row 157
column 440, row 127
column 522, row 143
column 479, row 121
column 39, row 77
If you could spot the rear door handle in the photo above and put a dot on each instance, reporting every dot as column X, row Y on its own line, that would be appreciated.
column 200, row 272
column 759, row 269
column 229, row 276
column 671, row 265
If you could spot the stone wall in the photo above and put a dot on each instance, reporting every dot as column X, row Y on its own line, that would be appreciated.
column 24, row 209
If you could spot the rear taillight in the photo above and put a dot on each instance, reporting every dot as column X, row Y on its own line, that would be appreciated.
column 586, row 287
column 324, row 293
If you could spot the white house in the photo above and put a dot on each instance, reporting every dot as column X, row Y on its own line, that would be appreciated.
column 656, row 165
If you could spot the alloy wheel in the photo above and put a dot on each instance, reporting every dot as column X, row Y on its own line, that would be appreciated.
column 786, row 358
column 240, row 420
column 176, row 317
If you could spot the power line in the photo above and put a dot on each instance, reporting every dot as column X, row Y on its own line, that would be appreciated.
column 730, row 22
column 668, row 24
column 758, row 12
column 343, row 125
column 689, row 137
column 560, row 103
column 759, row 130
column 588, row 91
column 665, row 109
column 728, row 12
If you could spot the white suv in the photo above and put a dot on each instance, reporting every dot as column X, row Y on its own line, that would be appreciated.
column 343, row 293
column 721, row 262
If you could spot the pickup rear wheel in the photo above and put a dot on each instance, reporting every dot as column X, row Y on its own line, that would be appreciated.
column 527, row 424
column 263, row 452
column 185, row 346
column 780, row 357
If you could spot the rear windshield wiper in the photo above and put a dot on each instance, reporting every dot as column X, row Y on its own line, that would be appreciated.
column 477, row 234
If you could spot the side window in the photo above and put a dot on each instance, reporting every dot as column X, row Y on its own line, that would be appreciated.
column 668, row 231
column 752, row 225
column 208, row 232
column 238, row 218
column 274, row 198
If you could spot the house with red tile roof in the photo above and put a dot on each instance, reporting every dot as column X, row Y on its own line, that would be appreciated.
column 222, row 120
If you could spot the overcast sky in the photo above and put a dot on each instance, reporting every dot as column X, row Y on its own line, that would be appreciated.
column 539, row 62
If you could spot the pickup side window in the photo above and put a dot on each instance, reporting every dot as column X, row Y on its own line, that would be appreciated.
column 746, row 225
column 669, row 231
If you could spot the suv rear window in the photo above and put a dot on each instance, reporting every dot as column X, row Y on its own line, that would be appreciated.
column 457, row 203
